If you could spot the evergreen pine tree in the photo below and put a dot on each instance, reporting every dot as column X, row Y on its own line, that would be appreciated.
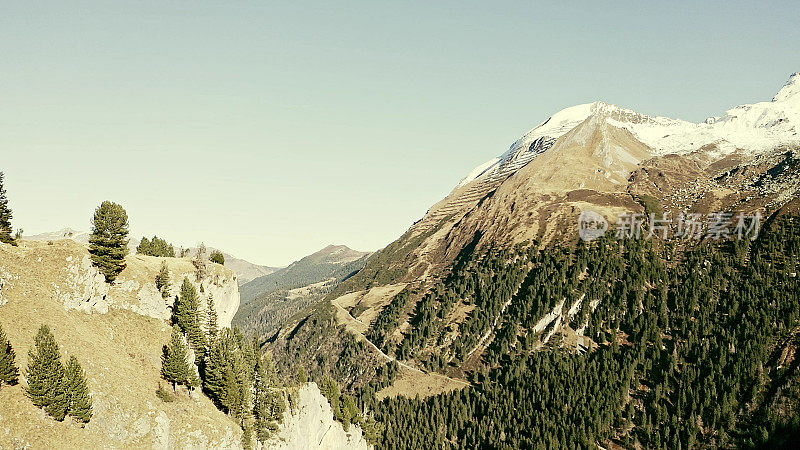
column 5, row 216
column 350, row 411
column 214, row 375
column 213, row 327
column 199, row 262
column 268, row 401
column 187, row 316
column 144, row 247
column 162, row 280
column 45, row 375
column 79, row 404
column 9, row 373
column 185, row 310
column 108, row 243
column 217, row 257
column 198, row 340
column 175, row 366
column 330, row 389
column 156, row 247
column 247, row 437
column 164, row 248
column 228, row 374
column 237, row 386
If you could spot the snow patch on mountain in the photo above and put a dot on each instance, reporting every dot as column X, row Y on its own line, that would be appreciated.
column 523, row 150
column 750, row 128
column 478, row 171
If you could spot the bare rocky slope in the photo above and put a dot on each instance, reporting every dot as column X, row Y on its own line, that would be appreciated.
column 309, row 424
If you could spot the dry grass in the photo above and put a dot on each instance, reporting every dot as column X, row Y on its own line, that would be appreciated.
column 120, row 352
column 410, row 383
column 371, row 302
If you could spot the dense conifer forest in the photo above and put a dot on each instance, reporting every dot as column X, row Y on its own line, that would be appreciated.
column 691, row 346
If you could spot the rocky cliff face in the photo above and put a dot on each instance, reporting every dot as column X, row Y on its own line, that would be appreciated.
column 310, row 425
column 83, row 288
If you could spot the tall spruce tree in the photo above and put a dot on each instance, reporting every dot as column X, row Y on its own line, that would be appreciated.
column 214, row 374
column 9, row 373
column 212, row 325
column 268, row 401
column 175, row 365
column 108, row 243
column 199, row 344
column 79, row 403
column 5, row 216
column 235, row 389
column 45, row 375
column 228, row 375
column 185, row 309
column 187, row 316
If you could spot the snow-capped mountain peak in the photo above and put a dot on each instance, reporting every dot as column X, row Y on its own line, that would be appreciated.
column 533, row 142
column 790, row 92
column 543, row 136
column 750, row 128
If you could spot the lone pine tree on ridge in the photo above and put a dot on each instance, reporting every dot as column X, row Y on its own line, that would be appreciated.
column 108, row 243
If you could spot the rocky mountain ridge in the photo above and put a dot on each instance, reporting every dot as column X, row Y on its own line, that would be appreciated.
column 754, row 128
column 318, row 266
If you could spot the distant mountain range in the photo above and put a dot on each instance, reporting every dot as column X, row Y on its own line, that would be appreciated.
column 245, row 270
column 271, row 300
column 329, row 262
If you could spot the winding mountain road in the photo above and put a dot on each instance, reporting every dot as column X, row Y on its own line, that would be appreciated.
column 344, row 316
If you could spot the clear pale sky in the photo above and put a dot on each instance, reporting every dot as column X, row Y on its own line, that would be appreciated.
column 271, row 129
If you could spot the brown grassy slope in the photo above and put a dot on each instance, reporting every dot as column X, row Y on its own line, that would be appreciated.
column 119, row 350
